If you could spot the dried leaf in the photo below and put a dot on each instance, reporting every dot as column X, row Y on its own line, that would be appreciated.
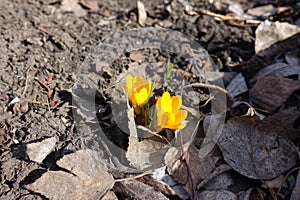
column 292, row 58
column 269, row 33
column 171, row 186
column 142, row 15
column 262, row 11
column 110, row 195
column 271, row 92
column 277, row 70
column 228, row 76
column 136, row 56
column 146, row 153
column 139, row 153
column 257, row 149
column 158, row 185
column 88, row 179
column 237, row 85
column 138, row 191
column 276, row 182
column 73, row 6
column 217, row 195
column 246, row 195
column 234, row 7
column 38, row 151
column 212, row 125
column 288, row 115
column 199, row 167
column 221, row 182
column 292, row 132
column 92, row 5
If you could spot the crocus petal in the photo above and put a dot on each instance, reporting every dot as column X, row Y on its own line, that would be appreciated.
column 138, row 90
column 176, row 103
column 181, row 115
column 170, row 108
column 129, row 83
column 138, row 81
column 148, row 86
column 141, row 97
column 166, row 102
column 161, row 117
column 170, row 118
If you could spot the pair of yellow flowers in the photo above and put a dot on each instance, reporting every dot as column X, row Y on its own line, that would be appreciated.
column 168, row 112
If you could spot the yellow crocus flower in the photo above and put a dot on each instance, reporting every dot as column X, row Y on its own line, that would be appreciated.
column 168, row 112
column 138, row 90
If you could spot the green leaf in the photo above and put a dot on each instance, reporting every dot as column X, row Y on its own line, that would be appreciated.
column 170, row 66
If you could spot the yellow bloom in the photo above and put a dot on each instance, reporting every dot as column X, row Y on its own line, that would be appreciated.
column 138, row 90
column 168, row 111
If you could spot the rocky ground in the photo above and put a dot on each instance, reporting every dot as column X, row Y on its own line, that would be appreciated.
column 46, row 48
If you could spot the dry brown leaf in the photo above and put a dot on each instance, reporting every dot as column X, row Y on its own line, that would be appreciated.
column 110, row 195
column 136, row 56
column 269, row 33
column 276, row 182
column 88, row 179
column 271, row 92
column 292, row 132
column 158, row 185
column 277, row 70
column 38, row 151
column 92, row 5
column 138, row 191
column 212, row 125
column 292, row 58
column 237, row 85
column 146, row 153
column 288, row 115
column 73, row 6
column 257, row 149
column 288, row 118
column 199, row 167
column 221, row 182
column 217, row 195
column 262, row 11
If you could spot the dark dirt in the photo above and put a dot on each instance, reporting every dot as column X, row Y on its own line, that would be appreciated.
column 39, row 39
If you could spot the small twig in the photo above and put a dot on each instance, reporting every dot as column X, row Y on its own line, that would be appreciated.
column 50, row 94
column 248, row 24
column 207, row 101
column 273, row 193
column 208, row 86
column 150, row 172
column 186, row 160
column 229, row 17
column 212, row 14
column 43, row 30
column 40, row 103
column 218, row 171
